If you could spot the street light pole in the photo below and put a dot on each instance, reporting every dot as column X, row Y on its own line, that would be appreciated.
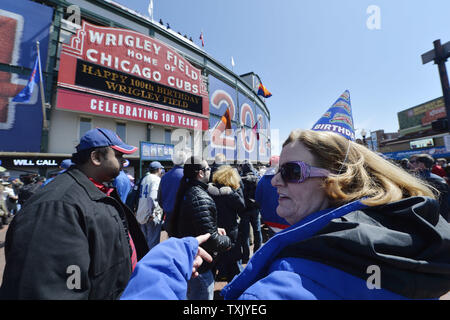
column 441, row 58
column 439, row 55
column 363, row 134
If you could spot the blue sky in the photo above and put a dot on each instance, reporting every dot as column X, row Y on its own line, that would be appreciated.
column 307, row 52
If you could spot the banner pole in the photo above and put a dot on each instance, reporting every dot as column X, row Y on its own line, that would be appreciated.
column 41, row 85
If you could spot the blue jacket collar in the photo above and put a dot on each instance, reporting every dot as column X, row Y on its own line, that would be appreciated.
column 302, row 230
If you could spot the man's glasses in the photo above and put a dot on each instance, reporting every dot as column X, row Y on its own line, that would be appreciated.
column 299, row 171
column 206, row 169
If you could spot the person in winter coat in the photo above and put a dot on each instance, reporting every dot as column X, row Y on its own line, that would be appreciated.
column 123, row 185
column 251, row 214
column 361, row 228
column 227, row 194
column 75, row 238
column 219, row 160
column 267, row 198
column 195, row 213
column 438, row 168
column 170, row 183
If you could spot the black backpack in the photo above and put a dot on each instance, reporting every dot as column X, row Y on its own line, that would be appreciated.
column 250, row 181
column 133, row 197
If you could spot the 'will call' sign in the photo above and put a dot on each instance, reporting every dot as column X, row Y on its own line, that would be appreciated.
column 32, row 162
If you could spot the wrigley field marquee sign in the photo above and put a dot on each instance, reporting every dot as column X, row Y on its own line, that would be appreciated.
column 124, row 74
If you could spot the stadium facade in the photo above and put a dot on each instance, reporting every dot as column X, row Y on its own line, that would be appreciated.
column 105, row 65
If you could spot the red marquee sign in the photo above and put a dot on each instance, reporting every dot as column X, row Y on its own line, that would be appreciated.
column 132, row 67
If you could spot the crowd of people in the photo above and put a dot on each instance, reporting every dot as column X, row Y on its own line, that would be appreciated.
column 143, row 209
column 330, row 209
column 14, row 192
column 435, row 172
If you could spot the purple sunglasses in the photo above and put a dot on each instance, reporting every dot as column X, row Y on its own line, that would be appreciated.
column 299, row 171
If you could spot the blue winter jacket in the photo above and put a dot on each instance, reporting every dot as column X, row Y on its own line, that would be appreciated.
column 168, row 188
column 268, row 278
column 327, row 255
column 123, row 185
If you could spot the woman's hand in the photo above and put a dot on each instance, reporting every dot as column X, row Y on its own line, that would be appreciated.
column 201, row 254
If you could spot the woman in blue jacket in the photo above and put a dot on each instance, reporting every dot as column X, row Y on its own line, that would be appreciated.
column 361, row 228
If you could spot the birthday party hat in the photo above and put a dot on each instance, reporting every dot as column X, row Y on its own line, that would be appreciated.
column 338, row 118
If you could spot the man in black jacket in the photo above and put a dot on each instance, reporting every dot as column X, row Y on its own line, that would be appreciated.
column 251, row 213
column 195, row 213
column 74, row 238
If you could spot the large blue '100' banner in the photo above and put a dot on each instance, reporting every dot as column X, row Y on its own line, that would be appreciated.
column 249, row 137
